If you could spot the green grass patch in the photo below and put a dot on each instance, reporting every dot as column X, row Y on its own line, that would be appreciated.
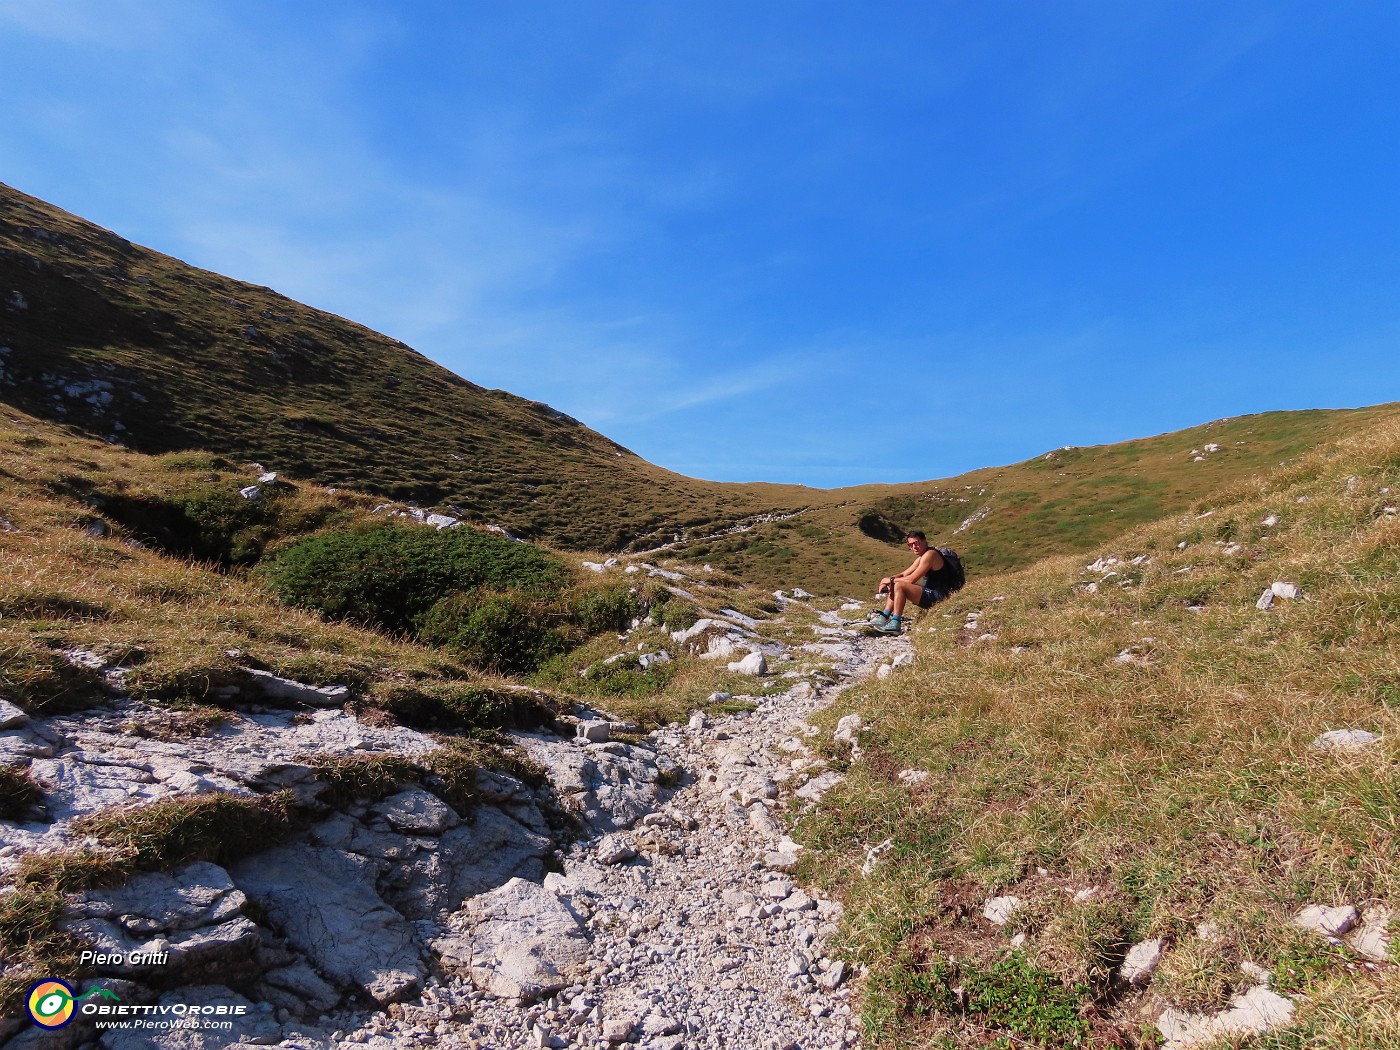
column 220, row 828
column 18, row 792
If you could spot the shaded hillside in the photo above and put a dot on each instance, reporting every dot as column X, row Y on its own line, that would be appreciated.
column 127, row 344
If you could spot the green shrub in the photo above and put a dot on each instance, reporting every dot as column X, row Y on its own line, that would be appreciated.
column 878, row 527
column 227, row 528
column 608, row 608
column 1015, row 996
column 213, row 524
column 623, row 677
column 501, row 632
column 1010, row 1000
column 391, row 575
column 678, row 615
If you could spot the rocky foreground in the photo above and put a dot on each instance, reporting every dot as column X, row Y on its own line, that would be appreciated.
column 674, row 922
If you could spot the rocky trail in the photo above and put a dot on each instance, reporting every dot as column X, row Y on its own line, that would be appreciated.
column 694, row 935
column 683, row 931
column 672, row 922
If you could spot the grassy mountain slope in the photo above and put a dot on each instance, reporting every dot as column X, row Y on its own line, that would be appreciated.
column 122, row 343
column 1067, row 500
column 126, row 343
column 1142, row 733
column 158, row 564
column 148, row 576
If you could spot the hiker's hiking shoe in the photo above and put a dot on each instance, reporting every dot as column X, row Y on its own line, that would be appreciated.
column 890, row 626
column 879, row 616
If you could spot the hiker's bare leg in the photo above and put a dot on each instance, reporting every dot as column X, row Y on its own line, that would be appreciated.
column 903, row 591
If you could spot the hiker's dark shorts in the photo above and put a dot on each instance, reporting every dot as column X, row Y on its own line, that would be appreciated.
column 931, row 595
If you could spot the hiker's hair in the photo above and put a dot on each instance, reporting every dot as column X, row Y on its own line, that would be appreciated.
column 915, row 535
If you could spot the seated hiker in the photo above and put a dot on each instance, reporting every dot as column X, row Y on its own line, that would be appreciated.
column 917, row 584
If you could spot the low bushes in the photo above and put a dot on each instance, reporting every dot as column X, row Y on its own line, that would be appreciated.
column 506, row 632
column 390, row 576
column 609, row 607
column 502, row 606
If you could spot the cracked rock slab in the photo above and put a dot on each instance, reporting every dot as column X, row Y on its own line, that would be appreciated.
column 325, row 903
column 519, row 942
column 417, row 811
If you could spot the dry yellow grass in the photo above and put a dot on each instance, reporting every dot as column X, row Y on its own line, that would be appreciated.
column 1178, row 776
column 172, row 621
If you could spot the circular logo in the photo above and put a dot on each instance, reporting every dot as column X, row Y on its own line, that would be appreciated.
column 50, row 1003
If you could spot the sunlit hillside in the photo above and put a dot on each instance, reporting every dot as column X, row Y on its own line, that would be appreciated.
column 1133, row 748
column 126, row 345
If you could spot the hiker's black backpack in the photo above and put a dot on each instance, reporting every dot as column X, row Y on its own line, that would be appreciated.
column 951, row 577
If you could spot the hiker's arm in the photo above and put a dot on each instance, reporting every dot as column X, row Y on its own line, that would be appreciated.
column 913, row 572
column 923, row 564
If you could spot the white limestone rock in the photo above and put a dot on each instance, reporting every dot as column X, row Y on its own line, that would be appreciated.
column 594, row 731
column 762, row 821
column 873, row 855
column 11, row 716
column 1142, row 959
column 1344, row 740
column 1330, row 922
column 467, row 859
column 753, row 664
column 442, row 521
column 324, row 902
column 848, row 729
column 276, row 688
column 519, row 941
column 720, row 647
column 780, row 860
column 416, row 812
column 1371, row 940
column 614, row 849
column 999, row 910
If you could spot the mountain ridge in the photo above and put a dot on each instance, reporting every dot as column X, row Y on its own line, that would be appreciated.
column 123, row 343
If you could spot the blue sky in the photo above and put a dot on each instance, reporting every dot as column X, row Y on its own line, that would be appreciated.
column 819, row 243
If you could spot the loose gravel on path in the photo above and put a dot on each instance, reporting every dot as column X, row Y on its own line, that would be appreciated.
column 699, row 938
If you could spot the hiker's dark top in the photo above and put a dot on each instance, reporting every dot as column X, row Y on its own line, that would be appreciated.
column 934, row 577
